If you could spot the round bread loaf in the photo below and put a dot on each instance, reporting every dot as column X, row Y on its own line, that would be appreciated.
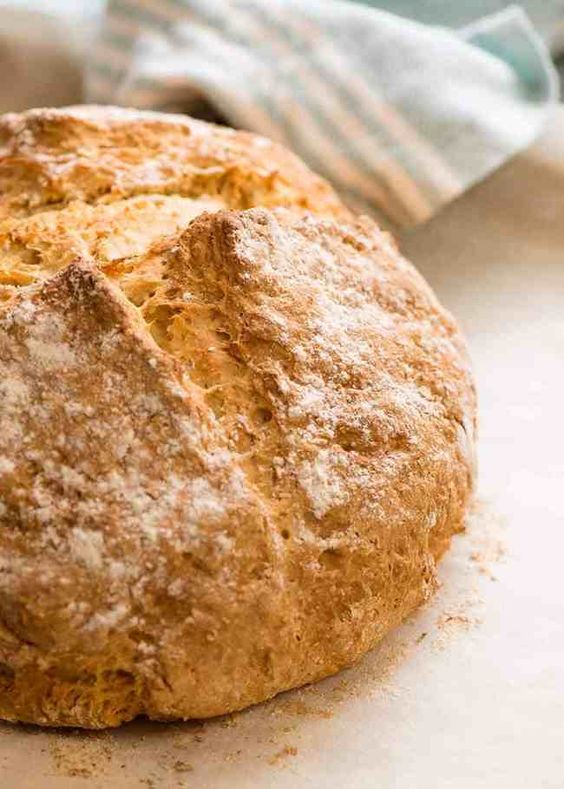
column 234, row 440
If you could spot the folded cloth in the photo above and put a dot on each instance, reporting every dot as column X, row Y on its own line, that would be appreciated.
column 400, row 116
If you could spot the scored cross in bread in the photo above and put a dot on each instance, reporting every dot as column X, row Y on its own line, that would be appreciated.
column 232, row 449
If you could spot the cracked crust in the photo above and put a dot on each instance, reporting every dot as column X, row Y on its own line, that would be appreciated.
column 231, row 452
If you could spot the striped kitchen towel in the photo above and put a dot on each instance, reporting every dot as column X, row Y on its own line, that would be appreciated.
column 401, row 117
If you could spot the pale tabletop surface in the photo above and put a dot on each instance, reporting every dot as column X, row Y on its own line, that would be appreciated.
column 471, row 691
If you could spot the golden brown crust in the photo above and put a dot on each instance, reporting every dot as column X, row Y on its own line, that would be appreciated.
column 230, row 455
column 52, row 156
column 109, row 181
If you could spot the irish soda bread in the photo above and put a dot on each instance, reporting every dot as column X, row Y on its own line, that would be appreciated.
column 236, row 427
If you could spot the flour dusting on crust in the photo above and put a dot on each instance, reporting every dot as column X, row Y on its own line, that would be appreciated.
column 233, row 444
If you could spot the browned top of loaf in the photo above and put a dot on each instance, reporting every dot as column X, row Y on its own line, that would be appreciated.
column 52, row 156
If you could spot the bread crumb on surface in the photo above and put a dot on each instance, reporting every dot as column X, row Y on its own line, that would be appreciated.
column 283, row 754
column 81, row 754
column 182, row 767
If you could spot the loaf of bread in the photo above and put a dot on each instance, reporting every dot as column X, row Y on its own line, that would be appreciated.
column 236, row 426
